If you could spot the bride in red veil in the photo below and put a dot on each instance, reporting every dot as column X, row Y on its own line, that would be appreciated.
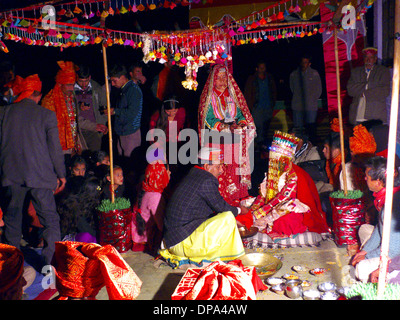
column 223, row 109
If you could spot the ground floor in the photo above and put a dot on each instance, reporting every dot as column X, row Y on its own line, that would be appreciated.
column 160, row 281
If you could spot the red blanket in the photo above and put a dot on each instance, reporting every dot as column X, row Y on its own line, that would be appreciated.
column 307, row 192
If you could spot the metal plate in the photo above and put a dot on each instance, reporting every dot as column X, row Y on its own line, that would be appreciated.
column 246, row 233
column 266, row 264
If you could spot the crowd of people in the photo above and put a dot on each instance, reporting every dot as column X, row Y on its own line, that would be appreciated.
column 55, row 162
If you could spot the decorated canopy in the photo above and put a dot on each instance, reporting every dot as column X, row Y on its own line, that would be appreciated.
column 66, row 24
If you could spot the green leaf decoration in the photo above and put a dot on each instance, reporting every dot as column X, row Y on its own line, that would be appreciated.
column 351, row 194
column 119, row 204
column 368, row 291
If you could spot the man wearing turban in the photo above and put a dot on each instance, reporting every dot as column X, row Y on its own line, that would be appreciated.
column 31, row 164
column 369, row 85
column 61, row 99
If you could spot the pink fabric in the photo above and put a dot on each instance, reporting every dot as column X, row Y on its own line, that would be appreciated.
column 85, row 237
column 149, row 211
column 344, row 65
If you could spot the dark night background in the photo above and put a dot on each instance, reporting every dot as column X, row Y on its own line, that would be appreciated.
column 282, row 56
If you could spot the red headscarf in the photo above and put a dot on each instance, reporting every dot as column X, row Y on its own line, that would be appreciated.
column 156, row 178
column 11, row 266
column 82, row 269
column 25, row 87
column 234, row 92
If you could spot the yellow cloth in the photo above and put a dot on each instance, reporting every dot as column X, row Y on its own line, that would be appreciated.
column 217, row 238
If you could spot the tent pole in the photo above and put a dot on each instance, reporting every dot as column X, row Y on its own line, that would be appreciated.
column 104, row 45
column 340, row 114
column 384, row 258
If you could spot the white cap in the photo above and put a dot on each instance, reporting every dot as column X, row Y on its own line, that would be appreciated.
column 210, row 155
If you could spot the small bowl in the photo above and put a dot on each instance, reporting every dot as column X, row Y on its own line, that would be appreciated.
column 293, row 288
column 273, row 281
column 327, row 286
column 343, row 290
column 311, row 295
column 247, row 233
column 300, row 269
column 289, row 276
column 330, row 295
column 306, row 283
column 278, row 288
column 317, row 271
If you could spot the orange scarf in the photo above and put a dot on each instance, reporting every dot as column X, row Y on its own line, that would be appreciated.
column 334, row 176
column 55, row 101
column 82, row 269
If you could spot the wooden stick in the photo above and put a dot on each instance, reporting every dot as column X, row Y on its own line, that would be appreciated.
column 104, row 45
column 390, row 167
column 340, row 115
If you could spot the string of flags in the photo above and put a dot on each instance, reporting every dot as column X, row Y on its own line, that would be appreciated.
column 190, row 49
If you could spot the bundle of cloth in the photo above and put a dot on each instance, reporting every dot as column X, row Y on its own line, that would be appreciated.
column 225, row 281
column 82, row 269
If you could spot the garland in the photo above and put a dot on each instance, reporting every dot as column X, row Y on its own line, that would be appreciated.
column 190, row 49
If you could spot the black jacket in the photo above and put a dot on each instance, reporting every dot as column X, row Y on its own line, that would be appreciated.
column 30, row 149
column 195, row 200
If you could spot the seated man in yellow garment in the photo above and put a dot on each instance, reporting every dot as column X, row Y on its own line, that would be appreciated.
column 200, row 226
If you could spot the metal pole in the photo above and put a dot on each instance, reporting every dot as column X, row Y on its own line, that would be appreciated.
column 104, row 45
column 384, row 258
column 339, row 101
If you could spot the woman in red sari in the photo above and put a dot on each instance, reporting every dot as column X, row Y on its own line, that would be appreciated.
column 223, row 109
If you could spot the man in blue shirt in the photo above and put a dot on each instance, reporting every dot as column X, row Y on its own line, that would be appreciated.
column 128, row 111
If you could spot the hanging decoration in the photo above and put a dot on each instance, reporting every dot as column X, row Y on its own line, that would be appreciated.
column 102, row 8
column 190, row 49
